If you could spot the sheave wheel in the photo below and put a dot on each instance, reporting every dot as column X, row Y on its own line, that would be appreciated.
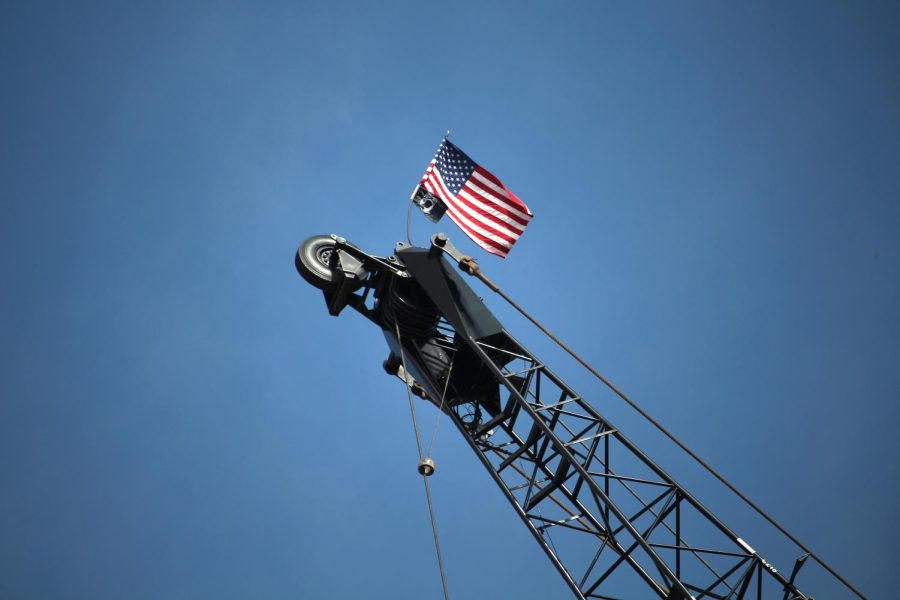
column 313, row 261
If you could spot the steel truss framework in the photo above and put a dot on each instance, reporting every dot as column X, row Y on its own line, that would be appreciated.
column 603, row 512
column 610, row 519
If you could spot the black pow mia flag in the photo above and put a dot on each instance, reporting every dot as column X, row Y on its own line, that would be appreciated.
column 430, row 205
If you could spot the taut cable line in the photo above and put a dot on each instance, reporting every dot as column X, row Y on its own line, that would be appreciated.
column 468, row 265
column 425, row 475
column 437, row 421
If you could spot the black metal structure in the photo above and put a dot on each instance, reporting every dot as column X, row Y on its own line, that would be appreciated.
column 606, row 515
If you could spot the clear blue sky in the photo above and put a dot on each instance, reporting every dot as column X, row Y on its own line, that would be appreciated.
column 716, row 189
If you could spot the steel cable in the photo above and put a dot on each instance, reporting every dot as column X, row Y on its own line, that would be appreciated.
column 437, row 421
column 412, row 411
column 409, row 221
column 473, row 270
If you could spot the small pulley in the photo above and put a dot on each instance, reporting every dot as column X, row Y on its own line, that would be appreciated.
column 426, row 467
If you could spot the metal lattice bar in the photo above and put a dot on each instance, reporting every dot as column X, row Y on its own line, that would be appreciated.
column 563, row 449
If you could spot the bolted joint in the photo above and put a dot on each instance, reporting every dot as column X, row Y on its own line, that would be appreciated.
column 419, row 391
column 468, row 265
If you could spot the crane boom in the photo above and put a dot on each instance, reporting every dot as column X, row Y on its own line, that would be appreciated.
column 609, row 518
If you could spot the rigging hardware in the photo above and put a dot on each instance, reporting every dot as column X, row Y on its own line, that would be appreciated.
column 560, row 463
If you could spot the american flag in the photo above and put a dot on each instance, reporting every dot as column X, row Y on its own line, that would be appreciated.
column 483, row 208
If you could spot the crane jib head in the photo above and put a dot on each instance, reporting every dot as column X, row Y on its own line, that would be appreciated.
column 428, row 313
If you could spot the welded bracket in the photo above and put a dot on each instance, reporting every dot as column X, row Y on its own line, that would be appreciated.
column 467, row 264
column 394, row 366
column 353, row 268
column 790, row 586
column 349, row 274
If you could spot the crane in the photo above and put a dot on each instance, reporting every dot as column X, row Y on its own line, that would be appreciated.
column 607, row 516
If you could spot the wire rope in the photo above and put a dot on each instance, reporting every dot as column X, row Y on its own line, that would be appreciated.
column 473, row 269
column 412, row 411
column 409, row 221
column 437, row 421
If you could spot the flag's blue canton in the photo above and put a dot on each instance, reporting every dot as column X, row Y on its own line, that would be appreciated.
column 454, row 166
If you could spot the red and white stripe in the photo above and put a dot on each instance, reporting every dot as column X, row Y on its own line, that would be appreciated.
column 491, row 215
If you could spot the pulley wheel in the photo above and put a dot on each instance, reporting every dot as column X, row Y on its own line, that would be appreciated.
column 314, row 261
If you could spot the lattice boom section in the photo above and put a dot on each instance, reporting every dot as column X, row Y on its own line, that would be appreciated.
column 610, row 519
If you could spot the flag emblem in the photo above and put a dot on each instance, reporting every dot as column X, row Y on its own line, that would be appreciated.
column 491, row 215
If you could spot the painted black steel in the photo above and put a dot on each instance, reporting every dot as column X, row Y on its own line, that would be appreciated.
column 609, row 518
